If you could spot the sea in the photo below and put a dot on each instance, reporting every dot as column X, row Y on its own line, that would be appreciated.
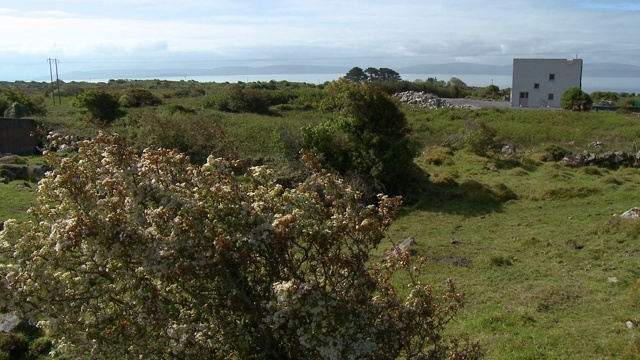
column 589, row 84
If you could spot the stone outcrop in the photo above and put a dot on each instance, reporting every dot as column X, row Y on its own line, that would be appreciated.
column 422, row 99
column 631, row 214
column 404, row 247
column 608, row 159
column 11, row 323
column 16, row 111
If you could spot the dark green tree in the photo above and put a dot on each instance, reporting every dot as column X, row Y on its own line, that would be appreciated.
column 356, row 74
column 575, row 99
column 372, row 73
column 101, row 105
column 382, row 74
column 386, row 74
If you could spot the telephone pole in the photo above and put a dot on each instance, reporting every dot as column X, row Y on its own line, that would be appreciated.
column 58, row 83
column 51, row 74
column 53, row 95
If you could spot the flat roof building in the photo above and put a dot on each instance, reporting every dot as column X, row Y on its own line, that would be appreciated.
column 539, row 83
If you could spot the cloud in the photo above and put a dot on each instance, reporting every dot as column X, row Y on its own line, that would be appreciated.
column 380, row 32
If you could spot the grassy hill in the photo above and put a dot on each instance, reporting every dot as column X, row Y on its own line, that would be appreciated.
column 549, row 272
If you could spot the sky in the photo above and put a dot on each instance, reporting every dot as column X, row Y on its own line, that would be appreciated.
column 128, row 34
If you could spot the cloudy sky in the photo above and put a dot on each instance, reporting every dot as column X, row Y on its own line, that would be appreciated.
column 106, row 34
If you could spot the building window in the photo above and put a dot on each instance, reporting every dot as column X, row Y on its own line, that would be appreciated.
column 550, row 97
column 536, row 86
column 552, row 77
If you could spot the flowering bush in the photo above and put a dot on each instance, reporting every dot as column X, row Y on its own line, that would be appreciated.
column 148, row 256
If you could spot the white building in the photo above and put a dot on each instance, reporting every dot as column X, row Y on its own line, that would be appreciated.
column 541, row 82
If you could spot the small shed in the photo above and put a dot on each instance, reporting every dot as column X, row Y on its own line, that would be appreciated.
column 16, row 136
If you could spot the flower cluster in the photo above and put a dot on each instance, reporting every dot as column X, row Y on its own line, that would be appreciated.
column 144, row 255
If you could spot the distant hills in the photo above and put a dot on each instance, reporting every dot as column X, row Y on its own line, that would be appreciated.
column 589, row 69
column 455, row 69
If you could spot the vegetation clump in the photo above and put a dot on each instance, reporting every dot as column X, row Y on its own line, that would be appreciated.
column 133, row 98
column 575, row 99
column 146, row 256
column 367, row 136
column 102, row 106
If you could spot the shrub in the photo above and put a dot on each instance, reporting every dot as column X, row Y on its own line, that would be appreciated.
column 102, row 106
column 32, row 106
column 575, row 99
column 147, row 256
column 133, row 98
column 238, row 99
column 555, row 153
column 196, row 135
column 368, row 135
column 40, row 347
column 15, row 345
column 480, row 138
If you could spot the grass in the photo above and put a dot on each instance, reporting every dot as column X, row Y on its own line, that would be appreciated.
column 15, row 199
column 549, row 273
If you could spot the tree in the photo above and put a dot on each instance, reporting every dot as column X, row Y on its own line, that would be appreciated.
column 134, row 255
column 369, row 136
column 356, row 74
column 372, row 73
column 102, row 105
column 491, row 91
column 382, row 74
column 386, row 74
column 454, row 81
column 575, row 99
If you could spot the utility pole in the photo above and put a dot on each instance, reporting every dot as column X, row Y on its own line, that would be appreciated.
column 51, row 74
column 58, row 83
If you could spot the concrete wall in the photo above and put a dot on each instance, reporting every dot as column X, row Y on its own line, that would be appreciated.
column 541, row 82
column 15, row 136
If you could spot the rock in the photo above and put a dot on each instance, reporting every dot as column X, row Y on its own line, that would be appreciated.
column 403, row 247
column 14, row 171
column 631, row 214
column 4, row 180
column 612, row 279
column 40, row 171
column 16, row 111
column 596, row 144
column 422, row 99
column 508, row 150
column 407, row 244
column 573, row 160
column 11, row 323
column 614, row 159
column 8, row 175
column 630, row 324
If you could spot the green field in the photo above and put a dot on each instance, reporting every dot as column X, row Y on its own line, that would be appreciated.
column 548, row 271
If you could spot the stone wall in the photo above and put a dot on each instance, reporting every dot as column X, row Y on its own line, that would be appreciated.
column 15, row 136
